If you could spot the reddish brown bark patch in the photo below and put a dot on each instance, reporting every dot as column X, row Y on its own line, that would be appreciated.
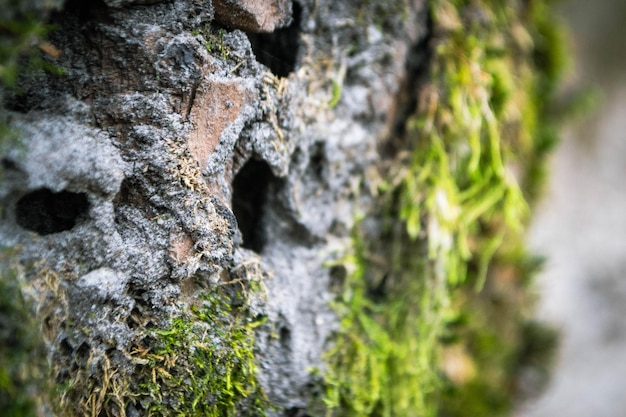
column 253, row 15
column 216, row 106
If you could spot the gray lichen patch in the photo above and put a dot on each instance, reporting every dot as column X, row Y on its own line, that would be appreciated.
column 60, row 152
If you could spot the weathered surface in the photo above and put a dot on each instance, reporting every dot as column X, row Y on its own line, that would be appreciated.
column 253, row 15
column 197, row 167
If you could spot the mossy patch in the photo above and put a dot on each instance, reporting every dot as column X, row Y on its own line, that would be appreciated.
column 382, row 361
column 435, row 311
column 213, row 40
column 22, row 47
column 203, row 363
column 199, row 363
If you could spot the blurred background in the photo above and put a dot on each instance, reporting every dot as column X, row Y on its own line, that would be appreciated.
column 580, row 226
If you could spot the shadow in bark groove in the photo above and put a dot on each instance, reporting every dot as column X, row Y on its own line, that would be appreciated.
column 279, row 50
column 250, row 188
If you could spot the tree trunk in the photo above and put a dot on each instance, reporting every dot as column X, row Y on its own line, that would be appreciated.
column 188, row 200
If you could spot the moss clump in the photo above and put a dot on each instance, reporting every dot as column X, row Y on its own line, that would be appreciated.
column 200, row 363
column 214, row 41
column 446, row 325
column 203, row 364
column 382, row 360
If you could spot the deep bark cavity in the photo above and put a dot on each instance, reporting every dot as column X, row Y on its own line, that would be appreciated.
column 250, row 189
column 46, row 212
column 279, row 50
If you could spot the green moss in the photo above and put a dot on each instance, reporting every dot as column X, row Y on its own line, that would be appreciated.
column 446, row 336
column 19, row 40
column 381, row 363
column 201, row 363
column 214, row 41
column 23, row 45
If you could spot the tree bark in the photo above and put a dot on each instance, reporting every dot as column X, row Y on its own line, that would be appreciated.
column 185, row 194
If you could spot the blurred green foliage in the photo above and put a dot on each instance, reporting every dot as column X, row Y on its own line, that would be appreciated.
column 23, row 49
column 22, row 357
column 19, row 47
column 452, row 334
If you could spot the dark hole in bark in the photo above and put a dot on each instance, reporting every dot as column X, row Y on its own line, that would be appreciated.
column 17, row 101
column 81, row 355
column 250, row 189
column 338, row 274
column 46, row 212
column 10, row 165
column 296, row 412
column 285, row 337
column 65, row 347
column 318, row 161
column 83, row 9
column 132, row 322
column 279, row 50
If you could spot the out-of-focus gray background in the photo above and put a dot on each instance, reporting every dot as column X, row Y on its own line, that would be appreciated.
column 581, row 227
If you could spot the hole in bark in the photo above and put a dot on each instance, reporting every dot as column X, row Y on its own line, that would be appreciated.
column 250, row 188
column 279, row 50
column 318, row 161
column 85, row 10
column 296, row 412
column 65, row 348
column 338, row 274
column 135, row 319
column 81, row 355
column 18, row 102
column 285, row 336
column 10, row 165
column 46, row 212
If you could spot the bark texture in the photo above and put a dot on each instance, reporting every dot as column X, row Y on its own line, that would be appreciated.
column 181, row 155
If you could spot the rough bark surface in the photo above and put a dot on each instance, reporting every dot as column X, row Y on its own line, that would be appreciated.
column 177, row 155
column 253, row 16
